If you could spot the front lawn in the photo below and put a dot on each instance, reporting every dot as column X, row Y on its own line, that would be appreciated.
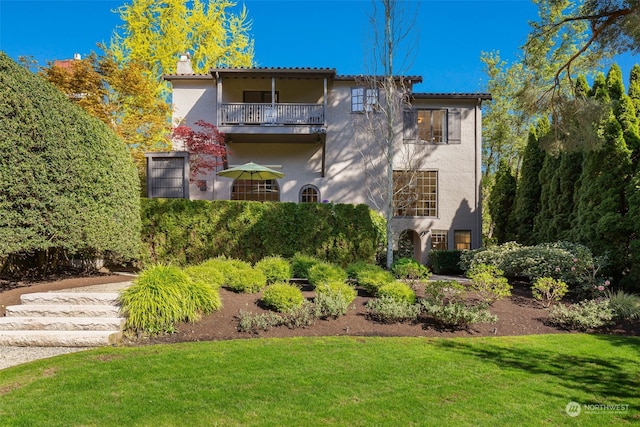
column 345, row 381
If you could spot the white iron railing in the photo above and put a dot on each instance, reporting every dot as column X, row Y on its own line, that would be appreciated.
column 272, row 114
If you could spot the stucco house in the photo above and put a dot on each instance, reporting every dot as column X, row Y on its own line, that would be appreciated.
column 315, row 126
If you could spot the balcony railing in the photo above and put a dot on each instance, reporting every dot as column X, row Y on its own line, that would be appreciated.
column 272, row 114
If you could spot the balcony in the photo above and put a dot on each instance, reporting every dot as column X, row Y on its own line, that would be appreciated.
column 280, row 114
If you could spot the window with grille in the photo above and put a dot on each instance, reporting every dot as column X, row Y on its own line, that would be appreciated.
column 363, row 99
column 261, row 191
column 309, row 194
column 415, row 193
column 439, row 240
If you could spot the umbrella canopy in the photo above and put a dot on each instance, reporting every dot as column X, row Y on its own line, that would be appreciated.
column 251, row 171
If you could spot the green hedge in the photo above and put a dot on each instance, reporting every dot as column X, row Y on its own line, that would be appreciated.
column 445, row 262
column 69, row 185
column 183, row 232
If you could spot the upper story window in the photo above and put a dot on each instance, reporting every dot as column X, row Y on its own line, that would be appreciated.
column 258, row 97
column 416, row 193
column 363, row 99
column 432, row 126
column 309, row 194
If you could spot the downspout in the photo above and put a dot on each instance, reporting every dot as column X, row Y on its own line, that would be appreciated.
column 218, row 98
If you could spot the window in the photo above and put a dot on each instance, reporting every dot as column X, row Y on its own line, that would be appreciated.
column 462, row 239
column 415, row 193
column 261, row 191
column 363, row 99
column 309, row 194
column 432, row 126
column 258, row 96
column 439, row 240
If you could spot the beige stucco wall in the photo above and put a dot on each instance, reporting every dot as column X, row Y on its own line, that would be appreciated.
column 346, row 179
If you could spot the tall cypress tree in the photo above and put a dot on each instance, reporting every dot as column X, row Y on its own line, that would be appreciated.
column 527, row 201
column 501, row 202
column 634, row 88
column 548, row 194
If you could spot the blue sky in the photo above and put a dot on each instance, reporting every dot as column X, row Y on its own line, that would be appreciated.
column 287, row 33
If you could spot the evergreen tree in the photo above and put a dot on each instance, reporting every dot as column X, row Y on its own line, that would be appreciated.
column 501, row 202
column 634, row 88
column 527, row 201
column 549, row 189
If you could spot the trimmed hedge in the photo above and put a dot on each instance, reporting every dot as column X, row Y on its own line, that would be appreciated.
column 69, row 185
column 183, row 232
column 445, row 262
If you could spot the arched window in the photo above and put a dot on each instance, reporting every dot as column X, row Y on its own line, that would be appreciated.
column 260, row 191
column 309, row 194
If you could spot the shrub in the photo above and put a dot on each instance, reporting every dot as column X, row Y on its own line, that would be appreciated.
column 410, row 269
column 204, row 273
column 162, row 296
column 488, row 282
column 457, row 315
column 624, row 305
column 441, row 291
column 445, row 262
column 547, row 290
column 247, row 280
column 398, row 291
column 275, row 269
column 324, row 272
column 300, row 317
column 333, row 299
column 369, row 276
column 585, row 315
column 301, row 263
column 282, row 297
column 389, row 310
column 69, row 185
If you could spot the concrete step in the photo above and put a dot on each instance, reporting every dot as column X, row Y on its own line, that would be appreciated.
column 59, row 338
column 62, row 323
column 67, row 310
column 67, row 298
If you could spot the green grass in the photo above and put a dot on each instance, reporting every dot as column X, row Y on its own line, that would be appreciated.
column 337, row 381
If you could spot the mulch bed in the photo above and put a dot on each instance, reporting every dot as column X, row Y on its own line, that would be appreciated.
column 519, row 314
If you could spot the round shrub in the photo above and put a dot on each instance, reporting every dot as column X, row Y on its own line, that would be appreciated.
column 282, row 297
column 389, row 310
column 301, row 263
column 548, row 289
column 245, row 279
column 275, row 269
column 488, row 281
column 398, row 291
column 409, row 268
column 207, row 274
column 333, row 299
column 324, row 272
column 369, row 276
column 162, row 296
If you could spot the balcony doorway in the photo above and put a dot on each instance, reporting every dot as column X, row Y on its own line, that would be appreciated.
column 256, row 190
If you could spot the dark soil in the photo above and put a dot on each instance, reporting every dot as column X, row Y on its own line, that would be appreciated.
column 519, row 314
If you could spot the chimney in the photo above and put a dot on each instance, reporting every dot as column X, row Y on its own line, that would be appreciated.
column 77, row 56
column 184, row 64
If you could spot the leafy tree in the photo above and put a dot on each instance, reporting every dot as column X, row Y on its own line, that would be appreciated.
column 121, row 97
column 206, row 147
column 501, row 202
column 156, row 32
column 69, row 186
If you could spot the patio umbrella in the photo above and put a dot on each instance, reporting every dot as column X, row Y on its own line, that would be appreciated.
column 252, row 172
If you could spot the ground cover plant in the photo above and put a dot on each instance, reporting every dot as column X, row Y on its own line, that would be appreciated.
column 319, row 382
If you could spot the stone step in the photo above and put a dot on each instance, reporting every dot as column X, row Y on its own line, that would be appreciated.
column 67, row 298
column 59, row 338
column 62, row 323
column 66, row 310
